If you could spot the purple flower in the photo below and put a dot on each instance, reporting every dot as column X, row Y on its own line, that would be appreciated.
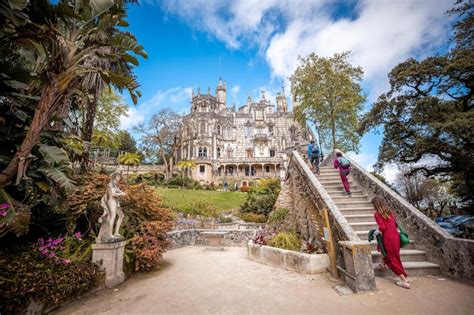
column 78, row 235
column 52, row 255
column 3, row 213
column 4, row 205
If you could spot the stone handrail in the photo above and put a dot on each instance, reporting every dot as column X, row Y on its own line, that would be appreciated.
column 455, row 256
column 352, row 255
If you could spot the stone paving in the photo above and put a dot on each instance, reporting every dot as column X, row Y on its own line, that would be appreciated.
column 193, row 280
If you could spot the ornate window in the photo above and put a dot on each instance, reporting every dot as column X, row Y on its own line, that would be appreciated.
column 270, row 130
column 272, row 152
column 249, row 153
column 202, row 152
column 219, row 131
column 218, row 152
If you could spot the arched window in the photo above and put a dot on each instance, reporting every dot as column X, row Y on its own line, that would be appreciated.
column 200, row 152
column 218, row 152
column 219, row 130
column 204, row 152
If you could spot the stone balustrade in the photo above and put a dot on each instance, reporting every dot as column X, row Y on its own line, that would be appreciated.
column 455, row 256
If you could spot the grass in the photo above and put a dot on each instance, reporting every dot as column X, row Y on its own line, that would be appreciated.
column 177, row 199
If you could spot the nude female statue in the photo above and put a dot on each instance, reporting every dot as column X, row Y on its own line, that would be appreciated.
column 113, row 214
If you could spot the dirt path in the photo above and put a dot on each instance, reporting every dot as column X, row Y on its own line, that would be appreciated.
column 195, row 281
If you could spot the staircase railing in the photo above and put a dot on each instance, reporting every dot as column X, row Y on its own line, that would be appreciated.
column 353, row 255
column 455, row 256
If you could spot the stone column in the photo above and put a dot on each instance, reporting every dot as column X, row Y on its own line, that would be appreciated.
column 110, row 256
column 359, row 272
column 214, row 147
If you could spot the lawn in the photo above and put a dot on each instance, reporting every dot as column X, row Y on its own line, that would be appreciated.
column 178, row 198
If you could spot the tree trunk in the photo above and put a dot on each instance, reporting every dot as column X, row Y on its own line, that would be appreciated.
column 333, row 127
column 89, row 128
column 165, row 162
column 49, row 102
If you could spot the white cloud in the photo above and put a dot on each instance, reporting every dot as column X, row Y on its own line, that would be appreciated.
column 381, row 34
column 132, row 118
column 234, row 91
column 177, row 98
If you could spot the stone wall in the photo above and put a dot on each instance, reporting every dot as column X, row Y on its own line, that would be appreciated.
column 234, row 238
column 289, row 260
column 455, row 256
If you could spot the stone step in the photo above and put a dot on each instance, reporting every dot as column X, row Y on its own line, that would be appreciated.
column 353, row 197
column 339, row 191
column 363, row 226
column 405, row 255
column 363, row 234
column 330, row 181
column 352, row 218
column 359, row 210
column 338, row 184
column 412, row 268
column 349, row 204
column 329, row 177
column 373, row 245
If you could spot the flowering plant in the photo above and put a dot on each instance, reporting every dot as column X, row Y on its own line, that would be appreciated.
column 64, row 249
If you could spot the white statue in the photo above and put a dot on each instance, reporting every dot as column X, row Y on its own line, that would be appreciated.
column 113, row 214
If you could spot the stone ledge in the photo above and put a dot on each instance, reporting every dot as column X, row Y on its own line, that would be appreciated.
column 289, row 260
column 194, row 237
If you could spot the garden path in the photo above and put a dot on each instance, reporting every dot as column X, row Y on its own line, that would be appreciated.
column 195, row 281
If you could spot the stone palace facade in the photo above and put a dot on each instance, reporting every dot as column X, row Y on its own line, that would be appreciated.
column 237, row 145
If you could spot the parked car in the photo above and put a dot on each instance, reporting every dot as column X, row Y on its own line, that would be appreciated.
column 461, row 219
column 444, row 219
column 450, row 228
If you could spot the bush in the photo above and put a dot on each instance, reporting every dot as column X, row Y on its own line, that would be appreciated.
column 278, row 215
column 146, row 225
column 202, row 208
column 260, row 239
column 253, row 217
column 225, row 219
column 262, row 197
column 286, row 240
column 152, row 179
column 31, row 276
column 244, row 189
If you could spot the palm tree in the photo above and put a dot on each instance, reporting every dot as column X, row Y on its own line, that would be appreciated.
column 60, row 46
column 129, row 159
column 185, row 166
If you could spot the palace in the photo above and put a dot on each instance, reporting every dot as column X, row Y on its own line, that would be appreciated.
column 237, row 145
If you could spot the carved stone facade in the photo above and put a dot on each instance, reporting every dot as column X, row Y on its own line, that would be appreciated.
column 237, row 145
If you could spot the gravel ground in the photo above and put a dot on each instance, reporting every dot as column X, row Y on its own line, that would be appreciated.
column 193, row 280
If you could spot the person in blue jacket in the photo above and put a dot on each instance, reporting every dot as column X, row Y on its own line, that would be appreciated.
column 314, row 156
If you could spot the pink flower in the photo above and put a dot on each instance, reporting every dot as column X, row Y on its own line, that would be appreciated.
column 66, row 261
column 3, row 213
column 78, row 235
column 5, row 205
column 52, row 255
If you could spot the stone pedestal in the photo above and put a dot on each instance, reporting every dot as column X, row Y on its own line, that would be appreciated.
column 111, row 257
column 359, row 272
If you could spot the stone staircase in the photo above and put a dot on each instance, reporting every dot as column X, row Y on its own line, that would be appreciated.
column 359, row 212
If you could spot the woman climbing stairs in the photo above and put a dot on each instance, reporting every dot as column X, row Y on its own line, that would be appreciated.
column 359, row 212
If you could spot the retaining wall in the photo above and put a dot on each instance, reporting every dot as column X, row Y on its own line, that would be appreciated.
column 289, row 260
column 234, row 238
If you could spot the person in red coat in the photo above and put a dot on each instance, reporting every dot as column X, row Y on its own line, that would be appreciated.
column 387, row 226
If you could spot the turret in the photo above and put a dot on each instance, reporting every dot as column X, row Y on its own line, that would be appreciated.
column 282, row 105
column 221, row 93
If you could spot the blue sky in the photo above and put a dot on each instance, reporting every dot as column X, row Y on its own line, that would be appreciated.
column 254, row 45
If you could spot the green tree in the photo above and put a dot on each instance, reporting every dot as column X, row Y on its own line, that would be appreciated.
column 130, row 159
column 328, row 90
column 127, row 143
column 47, row 48
column 185, row 166
column 427, row 115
